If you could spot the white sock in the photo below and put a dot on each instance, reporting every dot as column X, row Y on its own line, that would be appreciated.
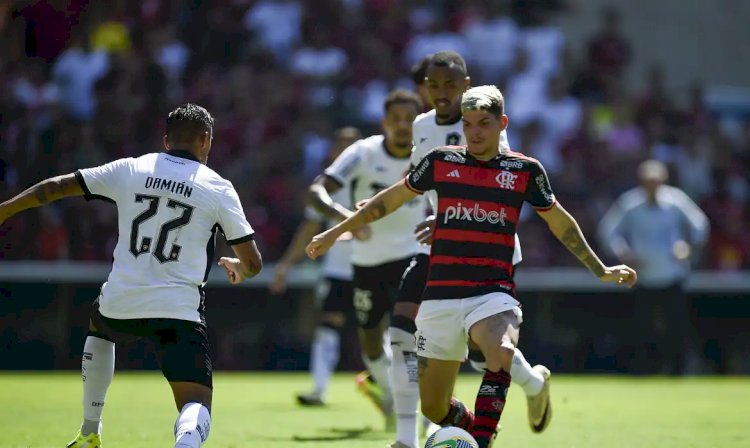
column 405, row 384
column 522, row 374
column 378, row 368
column 325, row 357
column 97, row 369
column 192, row 426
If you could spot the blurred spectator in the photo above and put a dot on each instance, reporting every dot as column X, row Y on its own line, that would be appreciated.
column 609, row 51
column 75, row 72
column 277, row 25
column 492, row 37
column 657, row 229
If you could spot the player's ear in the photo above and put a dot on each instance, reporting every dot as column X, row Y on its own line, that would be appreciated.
column 503, row 122
column 166, row 144
column 467, row 83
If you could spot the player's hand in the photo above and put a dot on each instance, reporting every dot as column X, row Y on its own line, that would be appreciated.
column 320, row 244
column 424, row 230
column 233, row 268
column 620, row 274
column 278, row 283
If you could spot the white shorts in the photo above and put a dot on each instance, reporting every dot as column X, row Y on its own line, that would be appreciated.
column 443, row 325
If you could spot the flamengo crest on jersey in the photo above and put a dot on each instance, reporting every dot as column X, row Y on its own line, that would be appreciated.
column 369, row 168
column 169, row 207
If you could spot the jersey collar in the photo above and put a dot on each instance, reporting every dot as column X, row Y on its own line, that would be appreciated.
column 183, row 154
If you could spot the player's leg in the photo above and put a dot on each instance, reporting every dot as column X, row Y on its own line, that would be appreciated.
column 494, row 327
column 183, row 353
column 372, row 305
column 97, row 370
column 325, row 350
column 533, row 380
column 437, row 379
column 403, row 371
column 441, row 347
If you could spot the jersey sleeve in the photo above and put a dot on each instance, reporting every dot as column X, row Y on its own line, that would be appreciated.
column 232, row 219
column 539, row 193
column 105, row 181
column 421, row 178
column 312, row 215
column 346, row 166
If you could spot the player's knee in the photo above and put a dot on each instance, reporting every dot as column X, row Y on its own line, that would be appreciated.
column 434, row 409
column 501, row 358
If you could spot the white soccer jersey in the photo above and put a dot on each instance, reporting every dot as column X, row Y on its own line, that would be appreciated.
column 169, row 207
column 429, row 135
column 369, row 168
column 337, row 263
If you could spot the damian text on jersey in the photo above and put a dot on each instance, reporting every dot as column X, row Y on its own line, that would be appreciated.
column 157, row 183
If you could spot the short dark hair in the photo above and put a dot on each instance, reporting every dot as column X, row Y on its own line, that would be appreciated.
column 448, row 59
column 402, row 96
column 187, row 122
column 419, row 70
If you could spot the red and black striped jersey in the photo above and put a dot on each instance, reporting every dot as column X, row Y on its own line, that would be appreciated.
column 479, row 203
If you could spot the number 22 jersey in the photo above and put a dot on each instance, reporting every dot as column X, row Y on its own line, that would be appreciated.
column 169, row 208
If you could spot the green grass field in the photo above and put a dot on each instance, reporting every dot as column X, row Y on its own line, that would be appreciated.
column 42, row 410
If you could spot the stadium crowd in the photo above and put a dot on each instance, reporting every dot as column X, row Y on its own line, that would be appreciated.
column 86, row 82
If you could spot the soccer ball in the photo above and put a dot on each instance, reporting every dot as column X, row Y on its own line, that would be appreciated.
column 451, row 437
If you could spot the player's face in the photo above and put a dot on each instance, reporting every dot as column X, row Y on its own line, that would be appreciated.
column 445, row 86
column 397, row 124
column 482, row 131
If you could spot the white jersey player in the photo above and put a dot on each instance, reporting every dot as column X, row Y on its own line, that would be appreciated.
column 170, row 206
column 334, row 294
column 380, row 253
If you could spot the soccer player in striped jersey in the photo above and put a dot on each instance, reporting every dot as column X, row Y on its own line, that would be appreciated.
column 446, row 79
column 470, row 289
column 170, row 206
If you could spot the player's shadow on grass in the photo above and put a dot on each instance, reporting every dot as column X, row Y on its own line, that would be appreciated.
column 336, row 434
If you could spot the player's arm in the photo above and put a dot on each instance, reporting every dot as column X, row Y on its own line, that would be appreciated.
column 382, row 204
column 44, row 192
column 293, row 253
column 249, row 261
column 319, row 197
column 240, row 237
column 566, row 229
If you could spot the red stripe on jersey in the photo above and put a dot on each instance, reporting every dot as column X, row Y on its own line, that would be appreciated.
column 481, row 177
column 430, row 283
column 473, row 236
column 479, row 211
column 471, row 261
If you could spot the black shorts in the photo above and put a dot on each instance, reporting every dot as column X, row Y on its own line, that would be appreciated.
column 335, row 296
column 414, row 280
column 375, row 291
column 181, row 346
